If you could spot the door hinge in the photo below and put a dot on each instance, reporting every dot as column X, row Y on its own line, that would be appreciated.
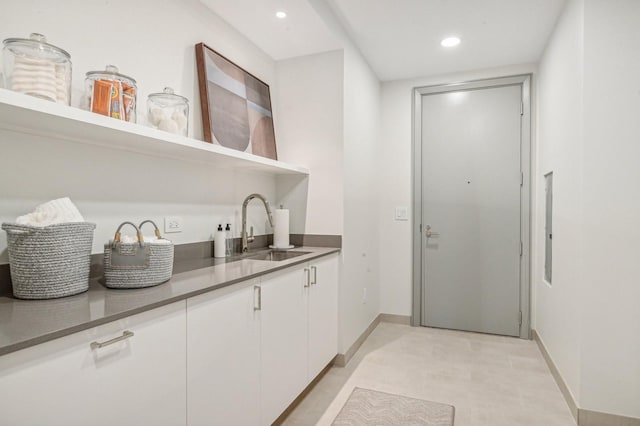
column 520, row 248
column 520, row 318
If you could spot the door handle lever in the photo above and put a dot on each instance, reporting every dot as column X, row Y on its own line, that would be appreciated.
column 429, row 233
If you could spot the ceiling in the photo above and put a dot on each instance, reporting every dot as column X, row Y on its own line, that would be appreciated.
column 401, row 38
column 303, row 32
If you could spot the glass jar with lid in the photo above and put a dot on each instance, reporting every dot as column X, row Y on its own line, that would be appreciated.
column 112, row 94
column 168, row 111
column 37, row 68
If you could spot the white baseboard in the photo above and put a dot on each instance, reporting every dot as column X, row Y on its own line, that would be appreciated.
column 395, row 319
column 583, row 417
column 342, row 360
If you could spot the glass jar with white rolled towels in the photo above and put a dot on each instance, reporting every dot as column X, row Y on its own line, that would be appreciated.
column 36, row 68
column 169, row 112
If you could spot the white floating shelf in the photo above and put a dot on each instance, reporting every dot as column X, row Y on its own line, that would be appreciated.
column 35, row 116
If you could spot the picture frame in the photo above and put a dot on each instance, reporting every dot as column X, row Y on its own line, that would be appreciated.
column 236, row 105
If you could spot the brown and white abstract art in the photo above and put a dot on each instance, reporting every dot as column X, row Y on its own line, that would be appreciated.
column 236, row 106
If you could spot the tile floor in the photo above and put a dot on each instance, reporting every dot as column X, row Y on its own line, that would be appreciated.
column 491, row 380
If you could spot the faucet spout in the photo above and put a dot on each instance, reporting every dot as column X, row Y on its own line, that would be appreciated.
column 246, row 240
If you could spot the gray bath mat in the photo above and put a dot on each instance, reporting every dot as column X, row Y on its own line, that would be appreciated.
column 368, row 407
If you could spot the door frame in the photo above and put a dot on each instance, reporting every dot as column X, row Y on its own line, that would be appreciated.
column 524, row 81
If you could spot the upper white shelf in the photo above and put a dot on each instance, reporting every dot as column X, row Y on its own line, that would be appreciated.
column 30, row 115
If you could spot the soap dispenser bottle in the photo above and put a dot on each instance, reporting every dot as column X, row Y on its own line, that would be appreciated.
column 219, row 243
column 229, row 240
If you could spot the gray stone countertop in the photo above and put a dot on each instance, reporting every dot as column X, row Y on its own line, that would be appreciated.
column 25, row 323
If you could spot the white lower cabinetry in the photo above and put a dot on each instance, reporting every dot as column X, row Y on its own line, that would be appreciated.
column 223, row 357
column 299, row 331
column 283, row 340
column 253, row 347
column 323, row 314
column 139, row 380
column 249, row 350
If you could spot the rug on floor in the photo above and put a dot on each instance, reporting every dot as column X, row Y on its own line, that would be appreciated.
column 369, row 407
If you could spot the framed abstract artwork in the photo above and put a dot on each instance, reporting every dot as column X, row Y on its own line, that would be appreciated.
column 236, row 106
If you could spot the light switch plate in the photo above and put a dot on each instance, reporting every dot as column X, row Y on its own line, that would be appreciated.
column 172, row 224
column 402, row 213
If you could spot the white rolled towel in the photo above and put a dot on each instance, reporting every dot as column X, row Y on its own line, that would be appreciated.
column 61, row 210
column 152, row 239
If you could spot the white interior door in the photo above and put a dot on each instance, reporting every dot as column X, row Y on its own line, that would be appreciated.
column 471, row 180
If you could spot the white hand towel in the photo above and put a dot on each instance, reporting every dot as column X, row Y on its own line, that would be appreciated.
column 61, row 210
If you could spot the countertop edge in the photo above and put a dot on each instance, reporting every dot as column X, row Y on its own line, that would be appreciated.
column 23, row 344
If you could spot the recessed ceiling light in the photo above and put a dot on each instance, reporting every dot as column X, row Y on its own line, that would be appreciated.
column 281, row 14
column 450, row 42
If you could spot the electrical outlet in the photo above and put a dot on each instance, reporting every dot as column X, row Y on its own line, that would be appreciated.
column 172, row 224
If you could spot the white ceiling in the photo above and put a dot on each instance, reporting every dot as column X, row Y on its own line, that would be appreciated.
column 401, row 38
column 303, row 32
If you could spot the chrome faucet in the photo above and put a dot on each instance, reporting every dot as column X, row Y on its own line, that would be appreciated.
column 246, row 240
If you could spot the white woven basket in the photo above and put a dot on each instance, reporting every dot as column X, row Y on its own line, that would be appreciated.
column 137, row 265
column 51, row 261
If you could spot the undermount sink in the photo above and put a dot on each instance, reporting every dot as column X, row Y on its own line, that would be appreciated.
column 277, row 256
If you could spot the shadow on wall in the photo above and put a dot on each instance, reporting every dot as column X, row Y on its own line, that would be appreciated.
column 292, row 192
column 110, row 186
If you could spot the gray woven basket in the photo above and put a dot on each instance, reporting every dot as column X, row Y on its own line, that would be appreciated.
column 137, row 265
column 51, row 261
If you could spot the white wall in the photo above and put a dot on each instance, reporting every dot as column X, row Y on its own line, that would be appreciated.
column 559, row 149
column 152, row 41
column 309, row 113
column 360, row 268
column 110, row 187
column 395, row 185
column 589, row 318
column 360, row 288
column 328, row 107
column 611, row 208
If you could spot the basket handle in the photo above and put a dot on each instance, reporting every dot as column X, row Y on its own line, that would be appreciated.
column 116, row 237
column 16, row 230
column 157, row 230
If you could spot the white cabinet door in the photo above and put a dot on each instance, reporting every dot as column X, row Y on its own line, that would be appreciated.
column 323, row 314
column 223, row 357
column 283, row 340
column 139, row 380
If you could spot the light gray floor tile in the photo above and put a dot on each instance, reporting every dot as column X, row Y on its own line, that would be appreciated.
column 491, row 380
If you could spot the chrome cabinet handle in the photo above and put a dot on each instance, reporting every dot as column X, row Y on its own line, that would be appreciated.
column 315, row 275
column 307, row 274
column 125, row 335
column 429, row 233
column 259, row 306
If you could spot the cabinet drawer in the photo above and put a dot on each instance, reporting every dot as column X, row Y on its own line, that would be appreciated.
column 127, row 372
